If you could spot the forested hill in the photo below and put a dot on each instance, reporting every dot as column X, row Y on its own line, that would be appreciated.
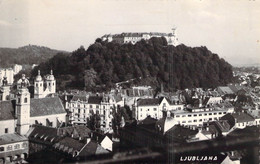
column 103, row 64
column 30, row 54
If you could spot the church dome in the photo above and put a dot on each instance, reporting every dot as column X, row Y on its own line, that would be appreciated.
column 38, row 77
column 50, row 77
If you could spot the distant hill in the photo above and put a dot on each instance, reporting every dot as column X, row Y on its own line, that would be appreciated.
column 30, row 54
column 151, row 62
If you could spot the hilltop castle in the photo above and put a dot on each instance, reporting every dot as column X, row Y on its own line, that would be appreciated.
column 124, row 38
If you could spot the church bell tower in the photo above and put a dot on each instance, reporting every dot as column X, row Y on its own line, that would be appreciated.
column 23, row 109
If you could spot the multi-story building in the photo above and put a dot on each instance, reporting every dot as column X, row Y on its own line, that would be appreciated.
column 133, row 38
column 82, row 107
column 197, row 116
column 13, row 148
column 212, row 109
column 154, row 107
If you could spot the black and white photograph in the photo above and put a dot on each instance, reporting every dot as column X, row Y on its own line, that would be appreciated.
column 129, row 81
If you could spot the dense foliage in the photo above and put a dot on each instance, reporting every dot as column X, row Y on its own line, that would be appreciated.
column 151, row 62
column 26, row 55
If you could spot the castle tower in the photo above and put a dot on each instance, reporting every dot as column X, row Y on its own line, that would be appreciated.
column 5, row 90
column 23, row 109
column 51, row 83
column 38, row 86
column 173, row 39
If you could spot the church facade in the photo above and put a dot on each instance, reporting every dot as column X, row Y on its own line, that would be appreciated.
column 19, row 114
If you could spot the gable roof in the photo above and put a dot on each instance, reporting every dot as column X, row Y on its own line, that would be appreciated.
column 44, row 134
column 239, row 117
column 7, row 110
column 225, row 90
column 180, row 133
column 46, row 106
column 92, row 148
column 145, row 102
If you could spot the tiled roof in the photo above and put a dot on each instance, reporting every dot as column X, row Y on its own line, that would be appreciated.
column 180, row 132
column 94, row 99
column 154, row 101
column 77, row 131
column 46, row 106
column 11, row 138
column 7, row 109
column 71, row 143
column 240, row 117
column 225, row 90
column 44, row 133
column 92, row 148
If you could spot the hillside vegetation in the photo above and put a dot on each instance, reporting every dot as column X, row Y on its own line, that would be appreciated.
column 26, row 55
column 151, row 62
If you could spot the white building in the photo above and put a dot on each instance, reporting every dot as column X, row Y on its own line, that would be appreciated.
column 82, row 107
column 133, row 38
column 17, row 68
column 154, row 108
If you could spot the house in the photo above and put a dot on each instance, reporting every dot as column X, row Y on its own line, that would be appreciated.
column 79, row 149
column 104, row 140
column 13, row 147
column 154, row 107
column 239, row 120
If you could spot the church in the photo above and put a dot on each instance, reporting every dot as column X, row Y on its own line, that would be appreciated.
column 44, row 108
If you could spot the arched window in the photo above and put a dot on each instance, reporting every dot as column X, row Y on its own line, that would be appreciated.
column 25, row 100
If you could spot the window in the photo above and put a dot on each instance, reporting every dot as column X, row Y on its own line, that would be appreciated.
column 17, row 146
column 205, row 114
column 210, row 119
column 200, row 120
column 210, row 114
column 177, row 115
column 183, row 115
column 220, row 113
column 195, row 115
column 194, row 120
column 25, row 100
column 215, row 113
column 183, row 121
column 6, row 130
column 189, row 115
column 10, row 147
column 90, row 106
column 78, row 110
column 224, row 112
column 36, row 84
column 2, row 149
column 24, row 145
column 147, row 109
column 154, row 109
column 200, row 114
column 97, row 106
column 189, row 121
column 19, row 100
column 49, row 84
column 140, row 109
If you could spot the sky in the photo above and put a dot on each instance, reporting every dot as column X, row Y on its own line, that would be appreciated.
column 230, row 28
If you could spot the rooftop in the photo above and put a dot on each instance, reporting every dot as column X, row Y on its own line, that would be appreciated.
column 11, row 138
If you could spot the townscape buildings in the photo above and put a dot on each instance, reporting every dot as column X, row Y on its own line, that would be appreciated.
column 78, row 125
